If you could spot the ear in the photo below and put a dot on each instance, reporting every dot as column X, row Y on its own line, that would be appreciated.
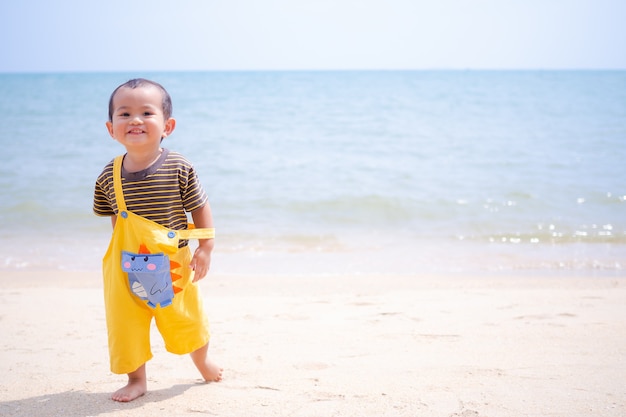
column 170, row 125
column 110, row 129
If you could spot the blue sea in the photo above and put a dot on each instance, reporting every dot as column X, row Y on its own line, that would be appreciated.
column 340, row 172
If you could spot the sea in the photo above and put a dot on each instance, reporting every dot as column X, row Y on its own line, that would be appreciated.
column 340, row 172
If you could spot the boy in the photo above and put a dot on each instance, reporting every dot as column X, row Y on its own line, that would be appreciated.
column 146, row 193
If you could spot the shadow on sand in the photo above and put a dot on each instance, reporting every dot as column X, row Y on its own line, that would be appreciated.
column 82, row 403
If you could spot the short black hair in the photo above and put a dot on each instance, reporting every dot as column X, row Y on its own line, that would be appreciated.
column 142, row 82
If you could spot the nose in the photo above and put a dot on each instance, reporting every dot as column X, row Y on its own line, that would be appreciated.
column 136, row 120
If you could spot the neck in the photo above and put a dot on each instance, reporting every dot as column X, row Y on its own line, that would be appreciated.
column 135, row 162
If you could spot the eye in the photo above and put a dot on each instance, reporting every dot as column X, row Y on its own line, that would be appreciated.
column 132, row 258
column 145, row 259
column 124, row 114
column 147, row 113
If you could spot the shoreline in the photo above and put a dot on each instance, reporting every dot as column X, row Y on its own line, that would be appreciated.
column 403, row 257
column 353, row 345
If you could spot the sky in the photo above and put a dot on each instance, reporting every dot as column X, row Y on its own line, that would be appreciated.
column 199, row 35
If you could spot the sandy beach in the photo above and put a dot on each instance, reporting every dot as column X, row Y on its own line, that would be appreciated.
column 492, row 345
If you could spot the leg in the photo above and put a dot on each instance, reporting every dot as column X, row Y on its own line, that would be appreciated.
column 135, row 388
column 210, row 371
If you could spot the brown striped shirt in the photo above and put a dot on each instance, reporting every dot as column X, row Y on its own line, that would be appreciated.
column 162, row 193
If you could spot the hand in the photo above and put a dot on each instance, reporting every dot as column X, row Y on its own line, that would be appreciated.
column 201, row 261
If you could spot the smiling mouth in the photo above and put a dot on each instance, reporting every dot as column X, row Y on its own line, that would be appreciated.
column 136, row 131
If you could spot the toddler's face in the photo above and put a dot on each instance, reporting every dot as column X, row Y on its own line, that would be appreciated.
column 138, row 122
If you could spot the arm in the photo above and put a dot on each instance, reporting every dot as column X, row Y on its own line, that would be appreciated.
column 201, row 261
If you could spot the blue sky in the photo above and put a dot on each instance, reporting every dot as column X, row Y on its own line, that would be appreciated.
column 143, row 35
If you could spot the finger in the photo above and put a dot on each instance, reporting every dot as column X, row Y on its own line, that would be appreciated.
column 199, row 274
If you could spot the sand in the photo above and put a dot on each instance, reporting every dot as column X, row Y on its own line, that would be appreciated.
column 321, row 345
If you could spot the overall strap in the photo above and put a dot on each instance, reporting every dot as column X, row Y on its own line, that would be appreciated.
column 117, row 183
column 190, row 233
column 193, row 233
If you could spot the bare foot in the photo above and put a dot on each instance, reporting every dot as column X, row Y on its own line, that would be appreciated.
column 136, row 387
column 209, row 370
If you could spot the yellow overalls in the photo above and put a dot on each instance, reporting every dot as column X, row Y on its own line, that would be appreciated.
column 180, row 317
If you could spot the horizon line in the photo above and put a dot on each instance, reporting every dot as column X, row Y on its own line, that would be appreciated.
column 154, row 71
